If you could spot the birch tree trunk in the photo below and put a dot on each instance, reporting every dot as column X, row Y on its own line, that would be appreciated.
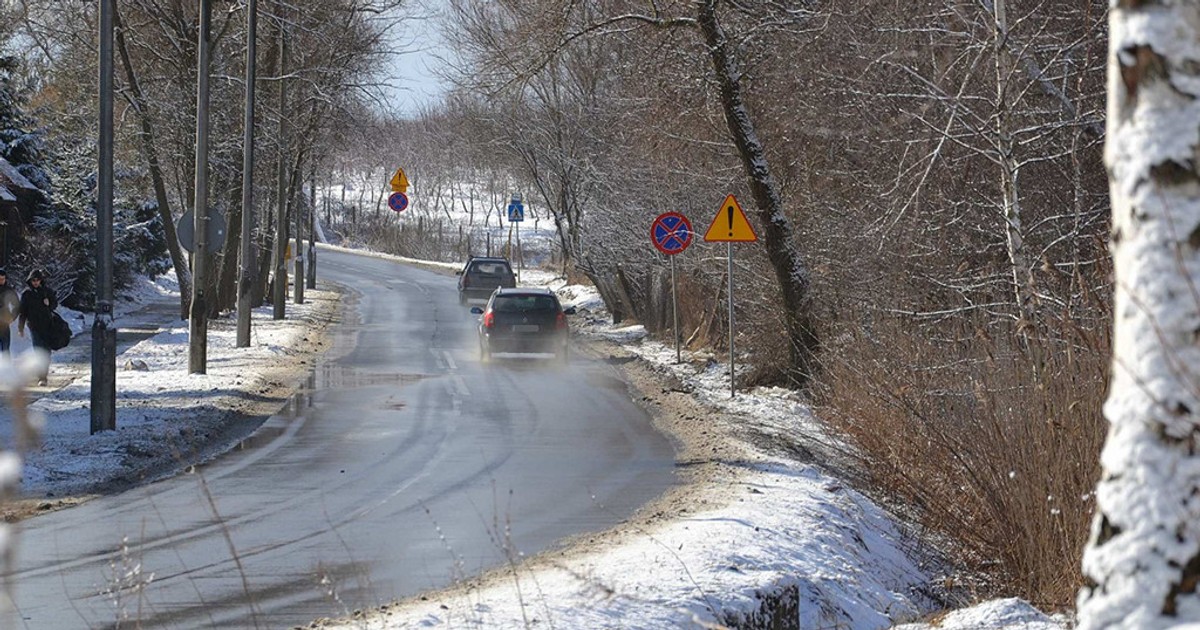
column 1022, row 272
column 1143, row 559
column 790, row 271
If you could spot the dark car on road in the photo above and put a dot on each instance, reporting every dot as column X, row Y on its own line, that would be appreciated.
column 482, row 275
column 523, row 320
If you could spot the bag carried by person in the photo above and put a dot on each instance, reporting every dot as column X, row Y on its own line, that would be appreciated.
column 60, row 332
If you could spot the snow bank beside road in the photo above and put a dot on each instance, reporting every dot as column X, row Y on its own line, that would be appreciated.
column 758, row 536
column 166, row 417
column 1000, row 614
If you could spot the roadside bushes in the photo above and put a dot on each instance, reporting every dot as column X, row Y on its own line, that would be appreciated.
column 989, row 444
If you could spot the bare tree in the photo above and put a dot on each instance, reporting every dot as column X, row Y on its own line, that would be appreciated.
column 790, row 271
column 341, row 51
column 994, row 102
column 138, row 100
column 534, row 74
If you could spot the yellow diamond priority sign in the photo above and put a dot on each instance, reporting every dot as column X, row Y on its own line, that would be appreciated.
column 730, row 225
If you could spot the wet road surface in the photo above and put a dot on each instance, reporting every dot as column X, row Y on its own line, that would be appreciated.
column 404, row 464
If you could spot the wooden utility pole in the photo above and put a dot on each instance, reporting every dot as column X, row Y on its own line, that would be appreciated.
column 198, row 318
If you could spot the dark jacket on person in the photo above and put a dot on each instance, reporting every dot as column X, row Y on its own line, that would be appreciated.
column 37, row 304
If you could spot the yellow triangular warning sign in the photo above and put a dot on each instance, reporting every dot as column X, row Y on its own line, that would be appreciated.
column 730, row 225
column 399, row 181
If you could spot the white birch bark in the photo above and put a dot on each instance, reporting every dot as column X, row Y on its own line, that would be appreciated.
column 1022, row 272
column 1144, row 554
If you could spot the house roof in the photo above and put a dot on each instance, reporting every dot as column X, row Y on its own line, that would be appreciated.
column 12, row 182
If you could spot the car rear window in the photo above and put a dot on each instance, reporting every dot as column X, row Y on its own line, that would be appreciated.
column 524, row 303
column 490, row 269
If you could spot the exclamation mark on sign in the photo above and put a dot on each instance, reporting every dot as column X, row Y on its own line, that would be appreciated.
column 729, row 215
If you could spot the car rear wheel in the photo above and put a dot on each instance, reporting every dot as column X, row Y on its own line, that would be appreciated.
column 562, row 356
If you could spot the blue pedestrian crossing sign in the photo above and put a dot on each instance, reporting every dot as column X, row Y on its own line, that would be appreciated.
column 516, row 210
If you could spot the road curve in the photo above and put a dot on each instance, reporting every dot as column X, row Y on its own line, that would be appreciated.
column 404, row 465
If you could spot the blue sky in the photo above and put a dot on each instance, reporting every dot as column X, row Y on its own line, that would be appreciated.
column 414, row 83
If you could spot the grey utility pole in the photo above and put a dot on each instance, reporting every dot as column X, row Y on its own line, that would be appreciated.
column 104, row 334
column 311, row 280
column 279, row 290
column 198, row 317
column 298, row 284
column 247, row 270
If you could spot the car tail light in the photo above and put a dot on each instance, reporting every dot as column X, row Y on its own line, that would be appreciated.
column 489, row 319
column 560, row 321
column 466, row 281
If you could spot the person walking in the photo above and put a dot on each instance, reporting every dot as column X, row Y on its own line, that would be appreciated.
column 10, row 306
column 37, row 307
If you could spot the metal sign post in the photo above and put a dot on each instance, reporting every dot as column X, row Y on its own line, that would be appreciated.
column 732, row 382
column 516, row 214
column 671, row 233
column 730, row 226
column 675, row 313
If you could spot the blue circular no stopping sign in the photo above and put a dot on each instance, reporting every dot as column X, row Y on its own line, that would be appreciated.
column 671, row 233
column 398, row 201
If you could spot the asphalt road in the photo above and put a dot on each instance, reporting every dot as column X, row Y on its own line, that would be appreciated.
column 406, row 464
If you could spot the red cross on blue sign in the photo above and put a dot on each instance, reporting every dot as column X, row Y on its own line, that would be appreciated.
column 671, row 233
column 398, row 201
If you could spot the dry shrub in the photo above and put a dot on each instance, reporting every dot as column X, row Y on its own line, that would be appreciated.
column 765, row 339
column 575, row 275
column 993, row 448
column 702, row 318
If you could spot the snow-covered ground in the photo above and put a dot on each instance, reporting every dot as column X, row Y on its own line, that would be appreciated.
column 163, row 411
column 763, row 528
column 769, row 529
